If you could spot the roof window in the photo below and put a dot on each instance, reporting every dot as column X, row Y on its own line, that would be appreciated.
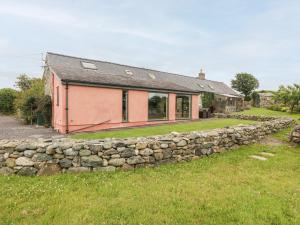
column 128, row 72
column 200, row 85
column 88, row 65
column 211, row 87
column 152, row 76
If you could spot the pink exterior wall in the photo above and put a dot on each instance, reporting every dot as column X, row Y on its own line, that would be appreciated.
column 58, row 112
column 195, row 107
column 137, row 106
column 90, row 106
column 95, row 108
column 172, row 106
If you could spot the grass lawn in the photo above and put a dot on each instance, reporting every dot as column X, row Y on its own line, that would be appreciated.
column 267, row 112
column 163, row 129
column 227, row 188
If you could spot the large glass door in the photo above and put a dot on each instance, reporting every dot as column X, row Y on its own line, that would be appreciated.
column 183, row 106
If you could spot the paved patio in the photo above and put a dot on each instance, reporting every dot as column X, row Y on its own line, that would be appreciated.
column 11, row 128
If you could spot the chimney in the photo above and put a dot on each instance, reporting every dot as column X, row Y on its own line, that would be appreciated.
column 201, row 75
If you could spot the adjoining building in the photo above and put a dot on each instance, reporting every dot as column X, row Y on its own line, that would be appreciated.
column 266, row 99
column 90, row 95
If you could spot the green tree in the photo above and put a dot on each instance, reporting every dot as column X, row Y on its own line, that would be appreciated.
column 245, row 83
column 7, row 98
column 24, row 82
column 289, row 96
column 33, row 104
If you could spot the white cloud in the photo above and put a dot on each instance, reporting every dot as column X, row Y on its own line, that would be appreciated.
column 36, row 12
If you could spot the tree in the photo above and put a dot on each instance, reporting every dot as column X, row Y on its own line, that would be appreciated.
column 289, row 96
column 24, row 82
column 245, row 83
column 33, row 104
column 7, row 98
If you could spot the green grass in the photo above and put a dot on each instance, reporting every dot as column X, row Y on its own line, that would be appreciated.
column 163, row 129
column 227, row 188
column 267, row 112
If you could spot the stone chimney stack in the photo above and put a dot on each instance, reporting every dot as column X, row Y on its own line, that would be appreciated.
column 201, row 75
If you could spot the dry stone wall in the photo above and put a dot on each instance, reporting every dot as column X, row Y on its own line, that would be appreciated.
column 50, row 156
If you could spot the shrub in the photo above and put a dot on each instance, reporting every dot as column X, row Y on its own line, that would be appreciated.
column 34, row 106
column 7, row 98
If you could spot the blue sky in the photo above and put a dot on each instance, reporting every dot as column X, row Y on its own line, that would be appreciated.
column 223, row 37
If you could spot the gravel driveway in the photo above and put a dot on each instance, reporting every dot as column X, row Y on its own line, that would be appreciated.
column 10, row 128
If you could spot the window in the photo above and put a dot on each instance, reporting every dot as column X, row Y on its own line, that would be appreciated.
column 88, row 65
column 157, row 106
column 125, row 106
column 183, row 106
column 57, row 96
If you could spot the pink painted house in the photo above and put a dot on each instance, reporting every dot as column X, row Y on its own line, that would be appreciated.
column 90, row 95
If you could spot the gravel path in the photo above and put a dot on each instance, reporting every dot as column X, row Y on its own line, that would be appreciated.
column 10, row 128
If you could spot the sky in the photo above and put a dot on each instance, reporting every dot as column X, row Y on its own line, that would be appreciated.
column 223, row 37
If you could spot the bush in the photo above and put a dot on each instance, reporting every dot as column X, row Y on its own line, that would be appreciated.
column 34, row 106
column 7, row 98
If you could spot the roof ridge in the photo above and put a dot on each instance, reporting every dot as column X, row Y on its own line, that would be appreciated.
column 137, row 67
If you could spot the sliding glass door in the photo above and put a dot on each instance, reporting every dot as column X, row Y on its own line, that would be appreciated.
column 183, row 106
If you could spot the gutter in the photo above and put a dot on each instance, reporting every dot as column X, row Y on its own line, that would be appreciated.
column 67, row 107
column 93, row 84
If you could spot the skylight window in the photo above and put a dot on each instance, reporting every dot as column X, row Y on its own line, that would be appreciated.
column 88, row 65
column 128, row 72
column 211, row 87
column 152, row 76
column 200, row 85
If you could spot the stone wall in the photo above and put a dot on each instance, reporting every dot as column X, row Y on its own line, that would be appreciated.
column 49, row 156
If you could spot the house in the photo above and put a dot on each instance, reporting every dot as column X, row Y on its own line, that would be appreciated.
column 90, row 95
column 265, row 99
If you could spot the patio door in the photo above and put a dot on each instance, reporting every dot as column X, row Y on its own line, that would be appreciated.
column 183, row 106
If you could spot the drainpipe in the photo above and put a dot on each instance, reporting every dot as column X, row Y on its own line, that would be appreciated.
column 67, row 107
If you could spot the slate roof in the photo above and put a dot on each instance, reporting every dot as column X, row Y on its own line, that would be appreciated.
column 69, row 68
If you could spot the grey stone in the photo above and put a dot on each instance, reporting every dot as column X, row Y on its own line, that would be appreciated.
column 22, row 147
column 107, row 145
column 135, row 160
column 181, row 143
column 77, row 147
column 167, row 153
column 70, row 152
column 164, row 145
column 49, row 169
column 10, row 162
column 146, row 152
column 111, row 152
column 6, row 171
column 84, row 152
column 41, row 157
column 141, row 145
column 96, row 147
column 78, row 170
column 27, row 171
column 105, row 169
column 128, row 152
column 158, row 156
column 66, row 145
column 29, row 153
column 116, row 162
column 91, row 161
column 65, row 163
column 50, row 150
column 24, row 161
